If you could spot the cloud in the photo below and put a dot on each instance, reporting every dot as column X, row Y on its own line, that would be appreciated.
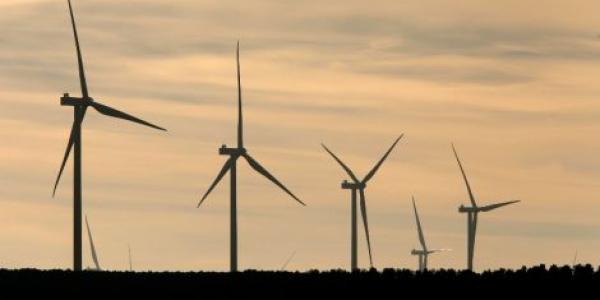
column 511, row 83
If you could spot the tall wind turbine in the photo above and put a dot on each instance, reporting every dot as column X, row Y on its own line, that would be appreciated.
column 472, row 214
column 80, row 105
column 424, row 252
column 92, row 248
column 231, row 167
column 354, row 186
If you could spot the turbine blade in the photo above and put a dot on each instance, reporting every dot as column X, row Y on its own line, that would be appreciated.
column 287, row 262
column 380, row 162
column 348, row 171
column 260, row 169
column 239, row 86
column 76, row 123
column 93, row 249
column 82, row 80
column 222, row 173
column 363, row 210
column 439, row 250
column 66, row 156
column 497, row 205
column 111, row 112
column 419, row 228
column 464, row 177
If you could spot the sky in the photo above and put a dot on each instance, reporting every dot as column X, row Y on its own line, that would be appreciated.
column 513, row 84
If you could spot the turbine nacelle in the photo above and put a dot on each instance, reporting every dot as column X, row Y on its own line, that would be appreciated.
column 417, row 252
column 67, row 100
column 467, row 209
column 224, row 150
column 347, row 185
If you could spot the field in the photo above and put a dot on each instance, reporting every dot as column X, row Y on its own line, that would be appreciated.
column 335, row 284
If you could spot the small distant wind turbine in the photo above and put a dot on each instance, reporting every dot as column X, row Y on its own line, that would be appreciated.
column 424, row 252
column 92, row 248
column 80, row 105
column 130, row 263
column 231, row 167
column 354, row 186
column 472, row 213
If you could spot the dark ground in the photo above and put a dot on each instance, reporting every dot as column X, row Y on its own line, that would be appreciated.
column 535, row 282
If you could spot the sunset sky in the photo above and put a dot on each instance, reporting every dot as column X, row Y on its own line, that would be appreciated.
column 515, row 84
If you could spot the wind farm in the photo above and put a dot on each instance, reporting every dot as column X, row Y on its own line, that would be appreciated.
column 495, row 99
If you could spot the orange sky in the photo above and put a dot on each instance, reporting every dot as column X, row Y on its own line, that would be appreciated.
column 513, row 84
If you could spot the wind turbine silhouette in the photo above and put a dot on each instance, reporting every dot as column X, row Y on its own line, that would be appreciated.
column 231, row 167
column 354, row 186
column 92, row 248
column 424, row 252
column 472, row 213
column 80, row 105
column 130, row 263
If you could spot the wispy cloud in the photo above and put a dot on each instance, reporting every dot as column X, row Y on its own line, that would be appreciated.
column 512, row 83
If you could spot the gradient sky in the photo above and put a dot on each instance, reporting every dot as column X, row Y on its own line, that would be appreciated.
column 514, row 84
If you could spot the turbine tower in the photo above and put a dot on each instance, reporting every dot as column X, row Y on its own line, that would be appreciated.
column 423, row 254
column 231, row 167
column 80, row 105
column 92, row 248
column 472, row 214
column 354, row 186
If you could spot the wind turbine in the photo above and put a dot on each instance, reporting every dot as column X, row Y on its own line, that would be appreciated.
column 80, row 105
column 231, row 167
column 472, row 213
column 424, row 252
column 92, row 248
column 354, row 186
column 130, row 263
